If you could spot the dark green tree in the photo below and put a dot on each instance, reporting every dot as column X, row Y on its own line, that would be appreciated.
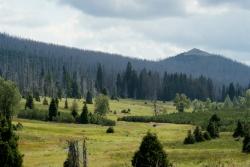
column 89, row 99
column 198, row 134
column 246, row 143
column 239, row 130
column 66, row 104
column 213, row 129
column 52, row 109
column 9, row 98
column 150, row 153
column 29, row 102
column 9, row 153
column 84, row 115
column 190, row 138
column 99, row 78
column 105, row 91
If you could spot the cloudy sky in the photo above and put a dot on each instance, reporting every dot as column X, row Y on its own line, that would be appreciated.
column 150, row 29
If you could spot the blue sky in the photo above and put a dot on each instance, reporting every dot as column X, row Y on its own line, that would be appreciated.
column 150, row 29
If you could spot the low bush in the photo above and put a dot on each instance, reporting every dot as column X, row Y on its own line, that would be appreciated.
column 110, row 130
column 99, row 120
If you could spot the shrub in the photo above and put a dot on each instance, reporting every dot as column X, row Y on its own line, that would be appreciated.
column 99, row 120
column 101, row 105
column 110, row 130
column 190, row 138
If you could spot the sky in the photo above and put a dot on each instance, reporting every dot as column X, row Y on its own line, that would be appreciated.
column 147, row 29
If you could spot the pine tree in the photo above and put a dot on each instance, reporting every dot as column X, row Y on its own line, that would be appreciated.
column 105, row 91
column 29, row 102
column 99, row 78
column 239, row 131
column 89, row 98
column 213, row 129
column 198, row 134
column 9, row 153
column 66, row 104
column 84, row 115
column 246, row 143
column 52, row 109
column 190, row 138
column 150, row 153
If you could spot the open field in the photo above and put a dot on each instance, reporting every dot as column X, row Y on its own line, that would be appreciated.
column 44, row 143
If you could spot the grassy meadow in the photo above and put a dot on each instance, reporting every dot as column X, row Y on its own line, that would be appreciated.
column 44, row 143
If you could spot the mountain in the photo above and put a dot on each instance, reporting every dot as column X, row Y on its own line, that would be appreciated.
column 18, row 56
column 197, row 62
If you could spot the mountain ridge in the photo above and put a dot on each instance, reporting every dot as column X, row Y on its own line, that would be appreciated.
column 194, row 62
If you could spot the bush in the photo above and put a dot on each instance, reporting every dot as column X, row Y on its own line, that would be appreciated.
column 110, row 130
column 99, row 120
column 246, row 143
column 45, row 101
column 125, row 111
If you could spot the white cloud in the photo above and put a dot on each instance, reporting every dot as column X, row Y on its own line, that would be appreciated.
column 150, row 29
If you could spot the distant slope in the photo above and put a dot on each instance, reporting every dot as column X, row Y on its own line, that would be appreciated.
column 194, row 62
column 197, row 62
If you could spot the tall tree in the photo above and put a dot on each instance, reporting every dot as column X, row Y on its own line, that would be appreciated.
column 89, row 98
column 9, row 98
column 29, row 102
column 52, row 109
column 84, row 115
column 99, row 78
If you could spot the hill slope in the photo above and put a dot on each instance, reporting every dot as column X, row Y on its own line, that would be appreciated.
column 194, row 62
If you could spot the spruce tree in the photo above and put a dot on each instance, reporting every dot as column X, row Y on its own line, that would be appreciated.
column 66, row 104
column 9, row 154
column 89, row 98
column 198, row 134
column 84, row 115
column 150, row 153
column 52, row 109
column 37, row 96
column 190, row 138
column 213, row 129
column 29, row 102
column 246, row 143
column 99, row 78
column 239, row 131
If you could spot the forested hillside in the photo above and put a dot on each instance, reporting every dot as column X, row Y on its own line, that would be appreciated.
column 54, row 70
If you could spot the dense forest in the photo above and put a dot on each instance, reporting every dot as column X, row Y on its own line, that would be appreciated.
column 58, row 71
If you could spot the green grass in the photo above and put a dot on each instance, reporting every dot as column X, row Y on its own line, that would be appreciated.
column 44, row 143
